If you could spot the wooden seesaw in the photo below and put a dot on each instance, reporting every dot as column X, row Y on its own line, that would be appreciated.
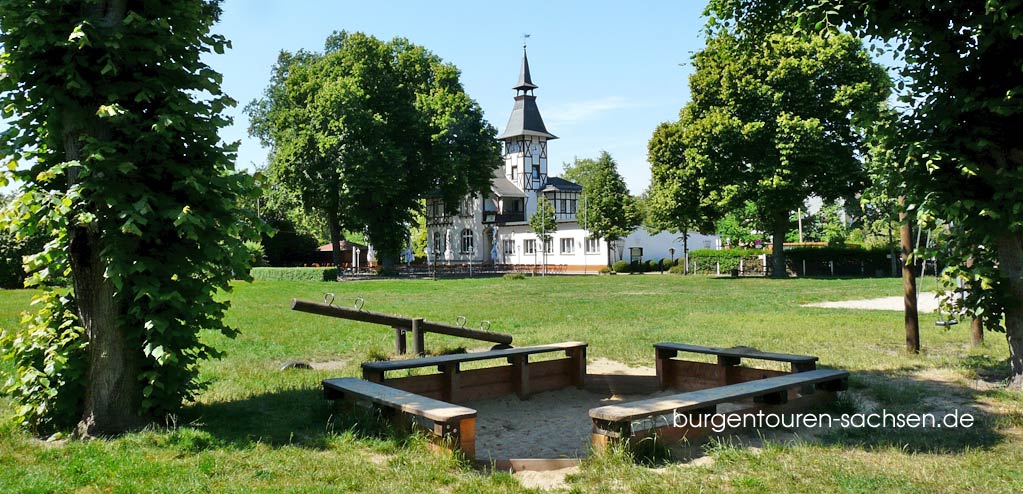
column 402, row 325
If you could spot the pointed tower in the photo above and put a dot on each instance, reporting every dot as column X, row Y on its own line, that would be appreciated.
column 525, row 137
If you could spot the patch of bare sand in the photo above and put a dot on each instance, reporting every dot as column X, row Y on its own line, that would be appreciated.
column 926, row 302
column 548, row 480
column 330, row 364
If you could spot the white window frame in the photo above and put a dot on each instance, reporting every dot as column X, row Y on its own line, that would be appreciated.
column 468, row 242
column 567, row 241
column 529, row 246
column 509, row 247
column 595, row 243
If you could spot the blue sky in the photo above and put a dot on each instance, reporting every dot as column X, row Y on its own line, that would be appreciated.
column 608, row 72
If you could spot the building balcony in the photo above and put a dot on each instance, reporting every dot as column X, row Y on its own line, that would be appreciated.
column 502, row 218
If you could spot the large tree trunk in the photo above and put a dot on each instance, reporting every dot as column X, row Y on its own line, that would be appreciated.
column 336, row 237
column 113, row 393
column 909, row 281
column 781, row 227
column 1010, row 262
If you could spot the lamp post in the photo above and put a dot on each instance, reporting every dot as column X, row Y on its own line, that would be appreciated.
column 671, row 252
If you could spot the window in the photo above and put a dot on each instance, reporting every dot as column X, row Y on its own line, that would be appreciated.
column 467, row 206
column 548, row 246
column 509, row 247
column 438, row 244
column 571, row 206
column 529, row 246
column 468, row 241
column 568, row 246
column 592, row 245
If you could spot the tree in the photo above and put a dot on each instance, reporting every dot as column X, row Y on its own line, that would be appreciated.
column 961, row 81
column 611, row 212
column 115, row 117
column 777, row 121
column 677, row 200
column 581, row 171
column 544, row 224
column 363, row 131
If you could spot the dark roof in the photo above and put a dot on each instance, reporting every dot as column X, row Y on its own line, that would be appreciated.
column 558, row 183
column 525, row 81
column 525, row 119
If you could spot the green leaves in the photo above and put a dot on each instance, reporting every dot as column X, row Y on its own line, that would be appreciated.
column 366, row 129
column 123, row 157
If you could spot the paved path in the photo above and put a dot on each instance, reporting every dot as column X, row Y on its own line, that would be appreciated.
column 926, row 302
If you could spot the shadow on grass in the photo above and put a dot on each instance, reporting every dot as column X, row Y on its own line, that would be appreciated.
column 794, row 278
column 295, row 417
column 896, row 393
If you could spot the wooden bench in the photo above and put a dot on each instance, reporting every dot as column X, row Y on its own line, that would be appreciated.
column 634, row 421
column 450, row 425
column 688, row 374
column 522, row 377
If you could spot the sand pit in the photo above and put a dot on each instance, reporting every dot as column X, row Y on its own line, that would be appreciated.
column 554, row 424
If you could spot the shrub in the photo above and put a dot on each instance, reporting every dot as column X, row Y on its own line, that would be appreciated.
column 621, row 267
column 257, row 256
column 653, row 266
column 295, row 274
column 666, row 264
column 514, row 276
column 604, row 270
column 677, row 269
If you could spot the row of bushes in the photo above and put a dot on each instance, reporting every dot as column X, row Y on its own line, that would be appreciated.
column 295, row 274
column 649, row 266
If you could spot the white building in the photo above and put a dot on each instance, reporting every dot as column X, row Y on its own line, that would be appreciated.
column 495, row 228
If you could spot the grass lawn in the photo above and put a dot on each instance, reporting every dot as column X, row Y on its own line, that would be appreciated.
column 258, row 429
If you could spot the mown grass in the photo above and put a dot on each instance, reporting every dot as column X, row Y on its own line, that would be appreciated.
column 259, row 429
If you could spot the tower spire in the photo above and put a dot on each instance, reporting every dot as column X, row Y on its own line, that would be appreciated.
column 525, row 80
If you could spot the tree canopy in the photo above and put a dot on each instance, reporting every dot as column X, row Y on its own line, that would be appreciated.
column 610, row 211
column 115, row 117
column 774, row 122
column 366, row 129
column 960, row 122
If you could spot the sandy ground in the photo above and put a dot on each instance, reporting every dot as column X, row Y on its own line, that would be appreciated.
column 926, row 302
column 555, row 424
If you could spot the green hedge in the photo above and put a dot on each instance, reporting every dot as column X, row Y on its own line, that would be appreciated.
column 295, row 274
column 621, row 267
column 707, row 259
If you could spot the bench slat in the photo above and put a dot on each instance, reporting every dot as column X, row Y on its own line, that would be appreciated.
column 735, row 352
column 707, row 397
column 435, row 410
column 388, row 365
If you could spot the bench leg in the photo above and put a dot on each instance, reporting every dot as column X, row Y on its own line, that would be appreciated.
column 451, row 382
column 663, row 356
column 375, row 376
column 520, row 375
column 578, row 356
